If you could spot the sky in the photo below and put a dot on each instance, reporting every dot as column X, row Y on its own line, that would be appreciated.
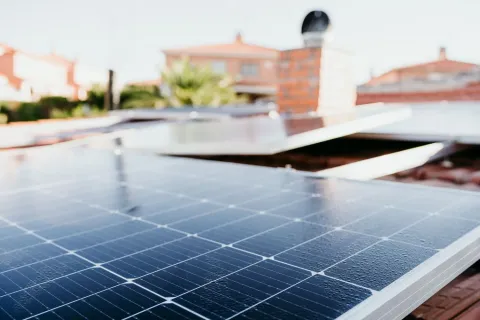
column 128, row 36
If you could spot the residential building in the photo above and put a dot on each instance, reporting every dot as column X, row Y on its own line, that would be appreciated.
column 253, row 67
column 27, row 77
column 441, row 79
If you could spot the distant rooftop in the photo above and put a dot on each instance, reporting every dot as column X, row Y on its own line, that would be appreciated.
column 236, row 48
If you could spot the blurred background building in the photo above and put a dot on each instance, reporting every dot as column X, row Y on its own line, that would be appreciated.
column 28, row 77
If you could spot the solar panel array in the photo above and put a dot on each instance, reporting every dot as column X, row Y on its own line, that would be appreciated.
column 88, row 234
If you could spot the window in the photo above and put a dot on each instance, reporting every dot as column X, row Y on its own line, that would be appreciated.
column 249, row 69
column 219, row 67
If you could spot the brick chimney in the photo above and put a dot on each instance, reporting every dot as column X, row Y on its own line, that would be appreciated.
column 317, row 77
column 442, row 55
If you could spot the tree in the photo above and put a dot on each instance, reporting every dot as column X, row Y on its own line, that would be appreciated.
column 191, row 85
column 96, row 96
column 137, row 96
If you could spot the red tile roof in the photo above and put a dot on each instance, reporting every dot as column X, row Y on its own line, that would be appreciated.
column 238, row 47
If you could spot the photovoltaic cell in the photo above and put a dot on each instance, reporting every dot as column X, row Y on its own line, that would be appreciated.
column 160, row 257
column 191, row 274
column 211, row 220
column 386, row 262
column 309, row 301
column 226, row 297
column 239, row 230
column 282, row 238
column 139, row 237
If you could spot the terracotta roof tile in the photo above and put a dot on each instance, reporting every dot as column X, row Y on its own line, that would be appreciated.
column 237, row 47
column 453, row 300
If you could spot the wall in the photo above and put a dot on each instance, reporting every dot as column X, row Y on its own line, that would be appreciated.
column 267, row 67
column 315, row 79
column 470, row 93
column 299, row 80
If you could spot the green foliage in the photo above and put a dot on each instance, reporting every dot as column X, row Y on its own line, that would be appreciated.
column 96, row 96
column 135, row 96
column 77, row 112
column 5, row 114
column 30, row 111
column 59, row 114
column 190, row 85
column 55, row 102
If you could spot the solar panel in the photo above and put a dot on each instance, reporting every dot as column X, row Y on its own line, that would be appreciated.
column 259, row 135
column 93, row 234
column 456, row 121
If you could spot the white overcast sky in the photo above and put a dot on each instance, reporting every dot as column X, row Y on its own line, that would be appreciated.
column 128, row 35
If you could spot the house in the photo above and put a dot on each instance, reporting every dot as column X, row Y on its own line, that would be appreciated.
column 441, row 79
column 253, row 67
column 27, row 77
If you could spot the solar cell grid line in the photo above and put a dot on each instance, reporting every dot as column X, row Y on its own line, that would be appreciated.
column 118, row 302
column 167, row 311
column 155, row 259
column 282, row 238
column 194, row 273
column 68, row 251
column 63, row 217
column 211, row 220
column 221, row 300
column 372, row 262
column 244, row 228
column 52, row 295
column 182, row 213
column 29, row 255
column 74, row 227
column 129, row 245
column 102, row 235
column 308, row 300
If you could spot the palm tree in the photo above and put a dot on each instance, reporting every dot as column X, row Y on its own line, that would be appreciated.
column 190, row 85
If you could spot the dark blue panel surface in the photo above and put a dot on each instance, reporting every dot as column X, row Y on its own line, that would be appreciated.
column 342, row 213
column 30, row 275
column 57, row 217
column 436, row 232
column 319, row 298
column 196, row 272
column 184, row 212
column 326, row 250
column 211, row 220
column 380, row 265
column 282, row 238
column 18, row 242
column 386, row 222
column 151, row 260
column 163, row 202
column 275, row 201
column 65, row 227
column 118, row 302
column 199, row 233
column 300, row 209
column 101, row 235
column 241, row 196
column 28, row 255
column 52, row 294
column 167, row 311
column 240, row 230
column 230, row 295
column 129, row 245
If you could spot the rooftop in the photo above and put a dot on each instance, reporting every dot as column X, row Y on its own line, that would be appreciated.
column 236, row 48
